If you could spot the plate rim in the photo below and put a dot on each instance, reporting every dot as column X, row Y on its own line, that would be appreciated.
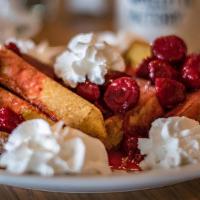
column 98, row 184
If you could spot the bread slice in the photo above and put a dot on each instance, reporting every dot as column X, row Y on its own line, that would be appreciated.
column 114, row 130
column 189, row 108
column 49, row 96
column 42, row 67
column 21, row 107
column 137, row 120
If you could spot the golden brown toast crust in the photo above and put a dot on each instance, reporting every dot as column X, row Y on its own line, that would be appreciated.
column 114, row 130
column 189, row 108
column 21, row 107
column 49, row 96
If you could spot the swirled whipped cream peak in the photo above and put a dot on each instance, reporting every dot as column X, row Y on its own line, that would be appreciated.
column 87, row 58
column 36, row 147
column 172, row 142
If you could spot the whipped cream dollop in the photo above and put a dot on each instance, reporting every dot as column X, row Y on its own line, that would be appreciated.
column 36, row 147
column 172, row 142
column 86, row 57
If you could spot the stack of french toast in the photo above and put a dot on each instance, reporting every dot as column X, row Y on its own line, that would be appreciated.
column 30, row 89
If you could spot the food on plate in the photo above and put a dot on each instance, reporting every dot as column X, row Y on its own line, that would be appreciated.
column 189, row 108
column 122, row 94
column 49, row 96
column 43, row 67
column 137, row 121
column 138, row 51
column 172, row 142
column 13, row 111
column 169, row 48
column 36, row 147
column 161, row 69
column 169, row 92
column 119, row 162
column 142, row 70
column 20, row 107
column 114, row 130
column 137, row 107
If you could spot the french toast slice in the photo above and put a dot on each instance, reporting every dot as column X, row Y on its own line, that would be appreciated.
column 42, row 67
column 21, row 107
column 137, row 121
column 49, row 96
column 114, row 130
column 189, row 108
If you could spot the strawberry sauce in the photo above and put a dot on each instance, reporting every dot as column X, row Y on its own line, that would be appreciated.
column 9, row 120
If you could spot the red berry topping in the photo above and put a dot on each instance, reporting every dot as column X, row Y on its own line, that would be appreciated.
column 191, row 71
column 129, row 144
column 113, row 75
column 118, row 162
column 122, row 94
column 131, row 165
column 143, row 70
column 115, row 159
column 169, row 48
column 137, row 157
column 169, row 92
column 88, row 90
column 13, row 47
column 9, row 120
column 161, row 69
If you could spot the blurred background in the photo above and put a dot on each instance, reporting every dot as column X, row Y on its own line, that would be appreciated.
column 57, row 20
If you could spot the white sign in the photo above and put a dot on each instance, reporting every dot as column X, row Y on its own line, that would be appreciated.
column 152, row 18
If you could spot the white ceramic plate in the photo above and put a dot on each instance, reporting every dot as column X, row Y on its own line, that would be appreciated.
column 113, row 183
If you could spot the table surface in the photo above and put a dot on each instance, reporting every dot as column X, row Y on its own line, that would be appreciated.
column 183, row 191
column 58, row 31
